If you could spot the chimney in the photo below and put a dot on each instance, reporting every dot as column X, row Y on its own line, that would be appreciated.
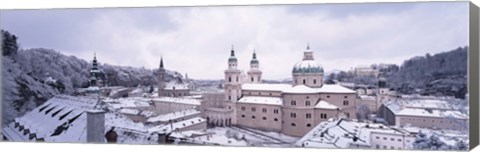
column 96, row 126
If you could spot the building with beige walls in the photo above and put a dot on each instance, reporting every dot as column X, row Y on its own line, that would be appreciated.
column 292, row 109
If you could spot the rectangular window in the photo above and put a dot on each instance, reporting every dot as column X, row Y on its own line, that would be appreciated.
column 293, row 115
column 308, row 115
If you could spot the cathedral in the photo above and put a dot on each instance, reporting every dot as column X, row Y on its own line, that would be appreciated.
column 292, row 109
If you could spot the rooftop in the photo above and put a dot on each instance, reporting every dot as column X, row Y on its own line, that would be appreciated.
column 301, row 89
column 343, row 133
column 63, row 119
column 265, row 86
column 261, row 100
column 174, row 126
column 178, row 100
column 173, row 115
column 325, row 105
column 334, row 88
column 425, row 108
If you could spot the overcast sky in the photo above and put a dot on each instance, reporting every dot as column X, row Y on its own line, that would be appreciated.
column 197, row 40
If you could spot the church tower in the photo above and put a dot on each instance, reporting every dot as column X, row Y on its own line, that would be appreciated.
column 382, row 90
column 94, row 72
column 161, row 79
column 254, row 74
column 232, row 79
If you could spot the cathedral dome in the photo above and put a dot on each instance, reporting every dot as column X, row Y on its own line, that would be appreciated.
column 307, row 66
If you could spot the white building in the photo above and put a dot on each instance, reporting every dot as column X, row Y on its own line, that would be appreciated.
column 348, row 134
column 425, row 113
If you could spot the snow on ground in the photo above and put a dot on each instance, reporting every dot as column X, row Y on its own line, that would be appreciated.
column 215, row 136
column 276, row 135
column 233, row 136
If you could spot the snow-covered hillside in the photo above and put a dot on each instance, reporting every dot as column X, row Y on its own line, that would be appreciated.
column 32, row 76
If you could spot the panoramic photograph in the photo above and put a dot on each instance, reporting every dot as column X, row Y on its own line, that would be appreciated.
column 344, row 76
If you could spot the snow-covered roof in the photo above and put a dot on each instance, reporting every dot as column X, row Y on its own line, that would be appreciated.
column 176, row 85
column 133, row 102
column 300, row 89
column 174, row 115
column 265, row 87
column 63, row 119
column 334, row 88
column 425, row 108
column 167, row 128
column 341, row 133
column 212, row 136
column 136, row 91
column 367, row 98
column 325, row 105
column 261, row 100
column 130, row 111
column 432, row 113
column 178, row 100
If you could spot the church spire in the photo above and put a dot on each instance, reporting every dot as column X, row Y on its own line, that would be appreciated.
column 232, row 52
column 161, row 62
column 94, row 60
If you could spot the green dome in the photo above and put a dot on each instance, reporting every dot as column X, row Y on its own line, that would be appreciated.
column 307, row 66
column 254, row 61
column 232, row 59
